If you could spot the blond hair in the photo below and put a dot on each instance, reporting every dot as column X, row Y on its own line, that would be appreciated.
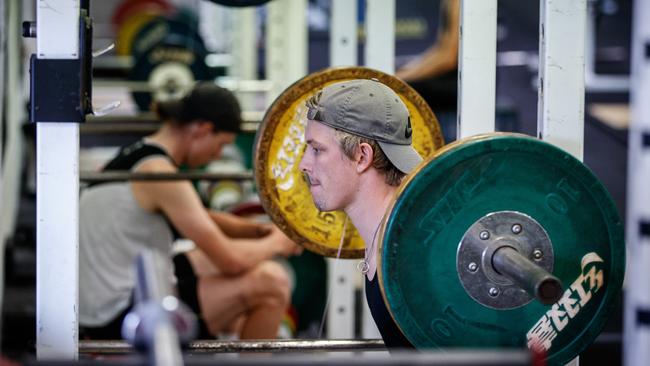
column 349, row 143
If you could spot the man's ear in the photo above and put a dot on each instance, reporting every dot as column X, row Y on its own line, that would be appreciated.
column 202, row 128
column 365, row 156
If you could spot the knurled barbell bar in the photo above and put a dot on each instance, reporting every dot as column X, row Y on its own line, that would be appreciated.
column 118, row 176
column 225, row 346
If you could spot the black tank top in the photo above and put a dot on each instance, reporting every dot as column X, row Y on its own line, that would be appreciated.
column 390, row 333
column 130, row 155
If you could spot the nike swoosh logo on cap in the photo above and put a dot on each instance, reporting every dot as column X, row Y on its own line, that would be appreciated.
column 408, row 132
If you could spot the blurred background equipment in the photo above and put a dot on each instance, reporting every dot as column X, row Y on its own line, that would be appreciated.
column 167, row 50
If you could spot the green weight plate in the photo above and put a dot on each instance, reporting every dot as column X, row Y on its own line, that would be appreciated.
column 187, row 15
column 170, row 68
column 468, row 180
column 162, row 29
column 129, row 29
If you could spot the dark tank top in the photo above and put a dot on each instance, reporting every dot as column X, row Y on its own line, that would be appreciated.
column 390, row 333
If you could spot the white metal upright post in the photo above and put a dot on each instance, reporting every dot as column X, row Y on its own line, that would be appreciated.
column 244, row 48
column 57, row 200
column 244, row 51
column 341, row 273
column 477, row 67
column 217, row 23
column 561, row 91
column 562, row 74
column 636, row 337
column 380, row 55
column 380, row 35
column 286, row 43
column 343, row 33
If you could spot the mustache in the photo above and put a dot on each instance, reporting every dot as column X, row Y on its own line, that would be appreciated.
column 306, row 178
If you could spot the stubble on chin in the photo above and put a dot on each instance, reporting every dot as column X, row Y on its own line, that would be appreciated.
column 320, row 205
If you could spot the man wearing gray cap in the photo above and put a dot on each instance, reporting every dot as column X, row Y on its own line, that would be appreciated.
column 359, row 148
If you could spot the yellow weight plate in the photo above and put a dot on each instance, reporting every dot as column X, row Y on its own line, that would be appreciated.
column 130, row 28
column 127, row 8
column 280, row 143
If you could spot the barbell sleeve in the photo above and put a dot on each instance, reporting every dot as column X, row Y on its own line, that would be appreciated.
column 526, row 274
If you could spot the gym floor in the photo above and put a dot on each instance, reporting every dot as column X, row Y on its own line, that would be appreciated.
column 605, row 151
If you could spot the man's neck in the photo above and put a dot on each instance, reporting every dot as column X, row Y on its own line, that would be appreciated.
column 369, row 207
column 169, row 141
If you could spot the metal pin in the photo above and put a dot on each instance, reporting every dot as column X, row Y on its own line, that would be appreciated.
column 494, row 292
column 473, row 267
column 516, row 228
column 484, row 235
column 537, row 254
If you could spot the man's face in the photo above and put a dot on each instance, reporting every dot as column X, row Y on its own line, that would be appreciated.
column 331, row 173
column 207, row 147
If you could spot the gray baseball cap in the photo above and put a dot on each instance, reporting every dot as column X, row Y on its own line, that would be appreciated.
column 370, row 109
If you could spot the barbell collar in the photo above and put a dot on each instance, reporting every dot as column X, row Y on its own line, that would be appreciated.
column 533, row 279
column 158, row 322
column 498, row 288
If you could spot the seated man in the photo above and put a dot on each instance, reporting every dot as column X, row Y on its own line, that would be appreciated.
column 229, row 281
column 358, row 138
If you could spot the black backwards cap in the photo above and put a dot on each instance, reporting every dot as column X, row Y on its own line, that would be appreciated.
column 206, row 101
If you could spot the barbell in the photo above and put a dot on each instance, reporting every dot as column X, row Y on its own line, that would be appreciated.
column 495, row 241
